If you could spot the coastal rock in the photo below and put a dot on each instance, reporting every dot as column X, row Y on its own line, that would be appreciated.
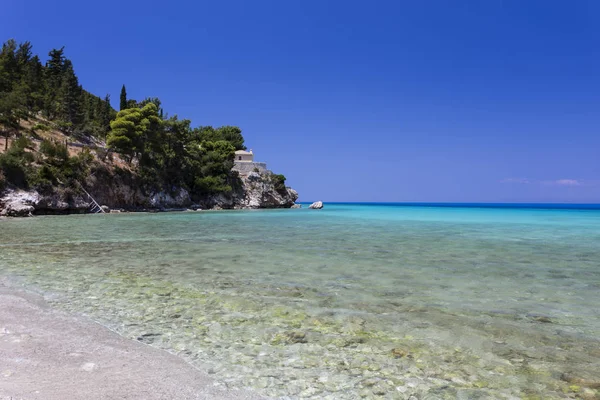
column 22, row 203
column 317, row 205
column 123, row 192
column 178, row 199
column 259, row 190
column 18, row 203
column 296, row 206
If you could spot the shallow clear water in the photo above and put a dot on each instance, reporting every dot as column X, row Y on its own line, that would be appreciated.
column 347, row 302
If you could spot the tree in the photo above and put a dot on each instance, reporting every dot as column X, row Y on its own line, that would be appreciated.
column 53, row 78
column 10, row 113
column 154, row 100
column 233, row 135
column 8, row 65
column 134, row 130
column 123, row 103
column 33, row 77
column 215, row 163
column 106, row 113
column 69, row 97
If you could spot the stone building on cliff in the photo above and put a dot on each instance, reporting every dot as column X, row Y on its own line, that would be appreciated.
column 244, row 163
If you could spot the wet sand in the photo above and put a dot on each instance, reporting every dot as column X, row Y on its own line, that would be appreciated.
column 48, row 354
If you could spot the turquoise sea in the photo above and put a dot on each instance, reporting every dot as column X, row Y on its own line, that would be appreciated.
column 352, row 301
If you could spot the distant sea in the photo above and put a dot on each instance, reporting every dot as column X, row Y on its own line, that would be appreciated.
column 355, row 300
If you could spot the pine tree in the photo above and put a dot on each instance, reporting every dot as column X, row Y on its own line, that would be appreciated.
column 107, row 114
column 123, row 104
column 54, row 75
column 70, row 96
column 8, row 65
column 34, row 78
column 55, row 67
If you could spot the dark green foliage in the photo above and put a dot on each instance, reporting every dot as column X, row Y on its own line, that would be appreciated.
column 57, row 168
column 14, row 164
column 231, row 134
column 163, row 152
column 54, row 151
column 52, row 166
column 278, row 182
column 27, row 87
column 10, row 113
column 2, row 180
column 123, row 99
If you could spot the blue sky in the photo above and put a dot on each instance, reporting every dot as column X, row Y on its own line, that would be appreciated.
column 360, row 101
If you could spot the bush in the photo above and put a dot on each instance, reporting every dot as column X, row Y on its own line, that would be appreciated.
column 212, row 185
column 278, row 181
column 2, row 181
column 54, row 150
column 22, row 143
column 14, row 169
column 40, row 127
column 64, row 126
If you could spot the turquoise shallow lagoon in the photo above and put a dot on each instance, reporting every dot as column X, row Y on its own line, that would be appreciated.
column 352, row 301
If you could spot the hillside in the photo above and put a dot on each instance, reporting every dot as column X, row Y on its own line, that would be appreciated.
column 60, row 142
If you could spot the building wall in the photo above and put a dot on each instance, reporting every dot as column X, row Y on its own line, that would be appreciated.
column 244, row 158
column 245, row 167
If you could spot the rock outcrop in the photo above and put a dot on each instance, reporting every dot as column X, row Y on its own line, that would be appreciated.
column 25, row 203
column 317, row 205
column 18, row 204
column 259, row 191
column 256, row 190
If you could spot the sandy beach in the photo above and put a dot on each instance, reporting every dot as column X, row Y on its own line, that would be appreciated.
column 50, row 355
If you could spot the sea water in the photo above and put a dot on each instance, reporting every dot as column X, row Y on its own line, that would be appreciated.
column 352, row 301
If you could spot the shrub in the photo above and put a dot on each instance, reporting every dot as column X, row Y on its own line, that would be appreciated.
column 22, row 143
column 278, row 181
column 54, row 150
column 14, row 169
column 40, row 127
column 212, row 184
column 2, row 181
column 64, row 126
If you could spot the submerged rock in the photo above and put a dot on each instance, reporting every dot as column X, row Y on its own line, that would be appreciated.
column 317, row 205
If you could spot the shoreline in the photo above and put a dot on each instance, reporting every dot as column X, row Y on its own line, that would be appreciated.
column 49, row 354
column 149, row 211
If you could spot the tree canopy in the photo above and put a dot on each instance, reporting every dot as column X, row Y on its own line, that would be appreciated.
column 163, row 151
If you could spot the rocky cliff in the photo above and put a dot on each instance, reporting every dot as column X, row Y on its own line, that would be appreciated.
column 255, row 190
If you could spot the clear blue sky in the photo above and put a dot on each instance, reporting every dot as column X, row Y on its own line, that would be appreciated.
column 360, row 101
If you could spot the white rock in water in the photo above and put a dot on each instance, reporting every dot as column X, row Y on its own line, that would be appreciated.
column 317, row 205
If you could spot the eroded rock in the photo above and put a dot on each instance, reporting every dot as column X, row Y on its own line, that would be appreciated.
column 317, row 205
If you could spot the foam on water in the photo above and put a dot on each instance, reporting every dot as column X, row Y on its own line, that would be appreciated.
column 349, row 301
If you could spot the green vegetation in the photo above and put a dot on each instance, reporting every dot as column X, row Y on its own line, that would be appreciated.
column 278, row 181
column 161, row 152
column 50, row 166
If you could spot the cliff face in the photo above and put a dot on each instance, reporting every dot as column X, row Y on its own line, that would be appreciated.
column 257, row 190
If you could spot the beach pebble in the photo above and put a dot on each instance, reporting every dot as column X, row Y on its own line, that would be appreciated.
column 88, row 367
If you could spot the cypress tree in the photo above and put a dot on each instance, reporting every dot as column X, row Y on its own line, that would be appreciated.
column 106, row 114
column 123, row 104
